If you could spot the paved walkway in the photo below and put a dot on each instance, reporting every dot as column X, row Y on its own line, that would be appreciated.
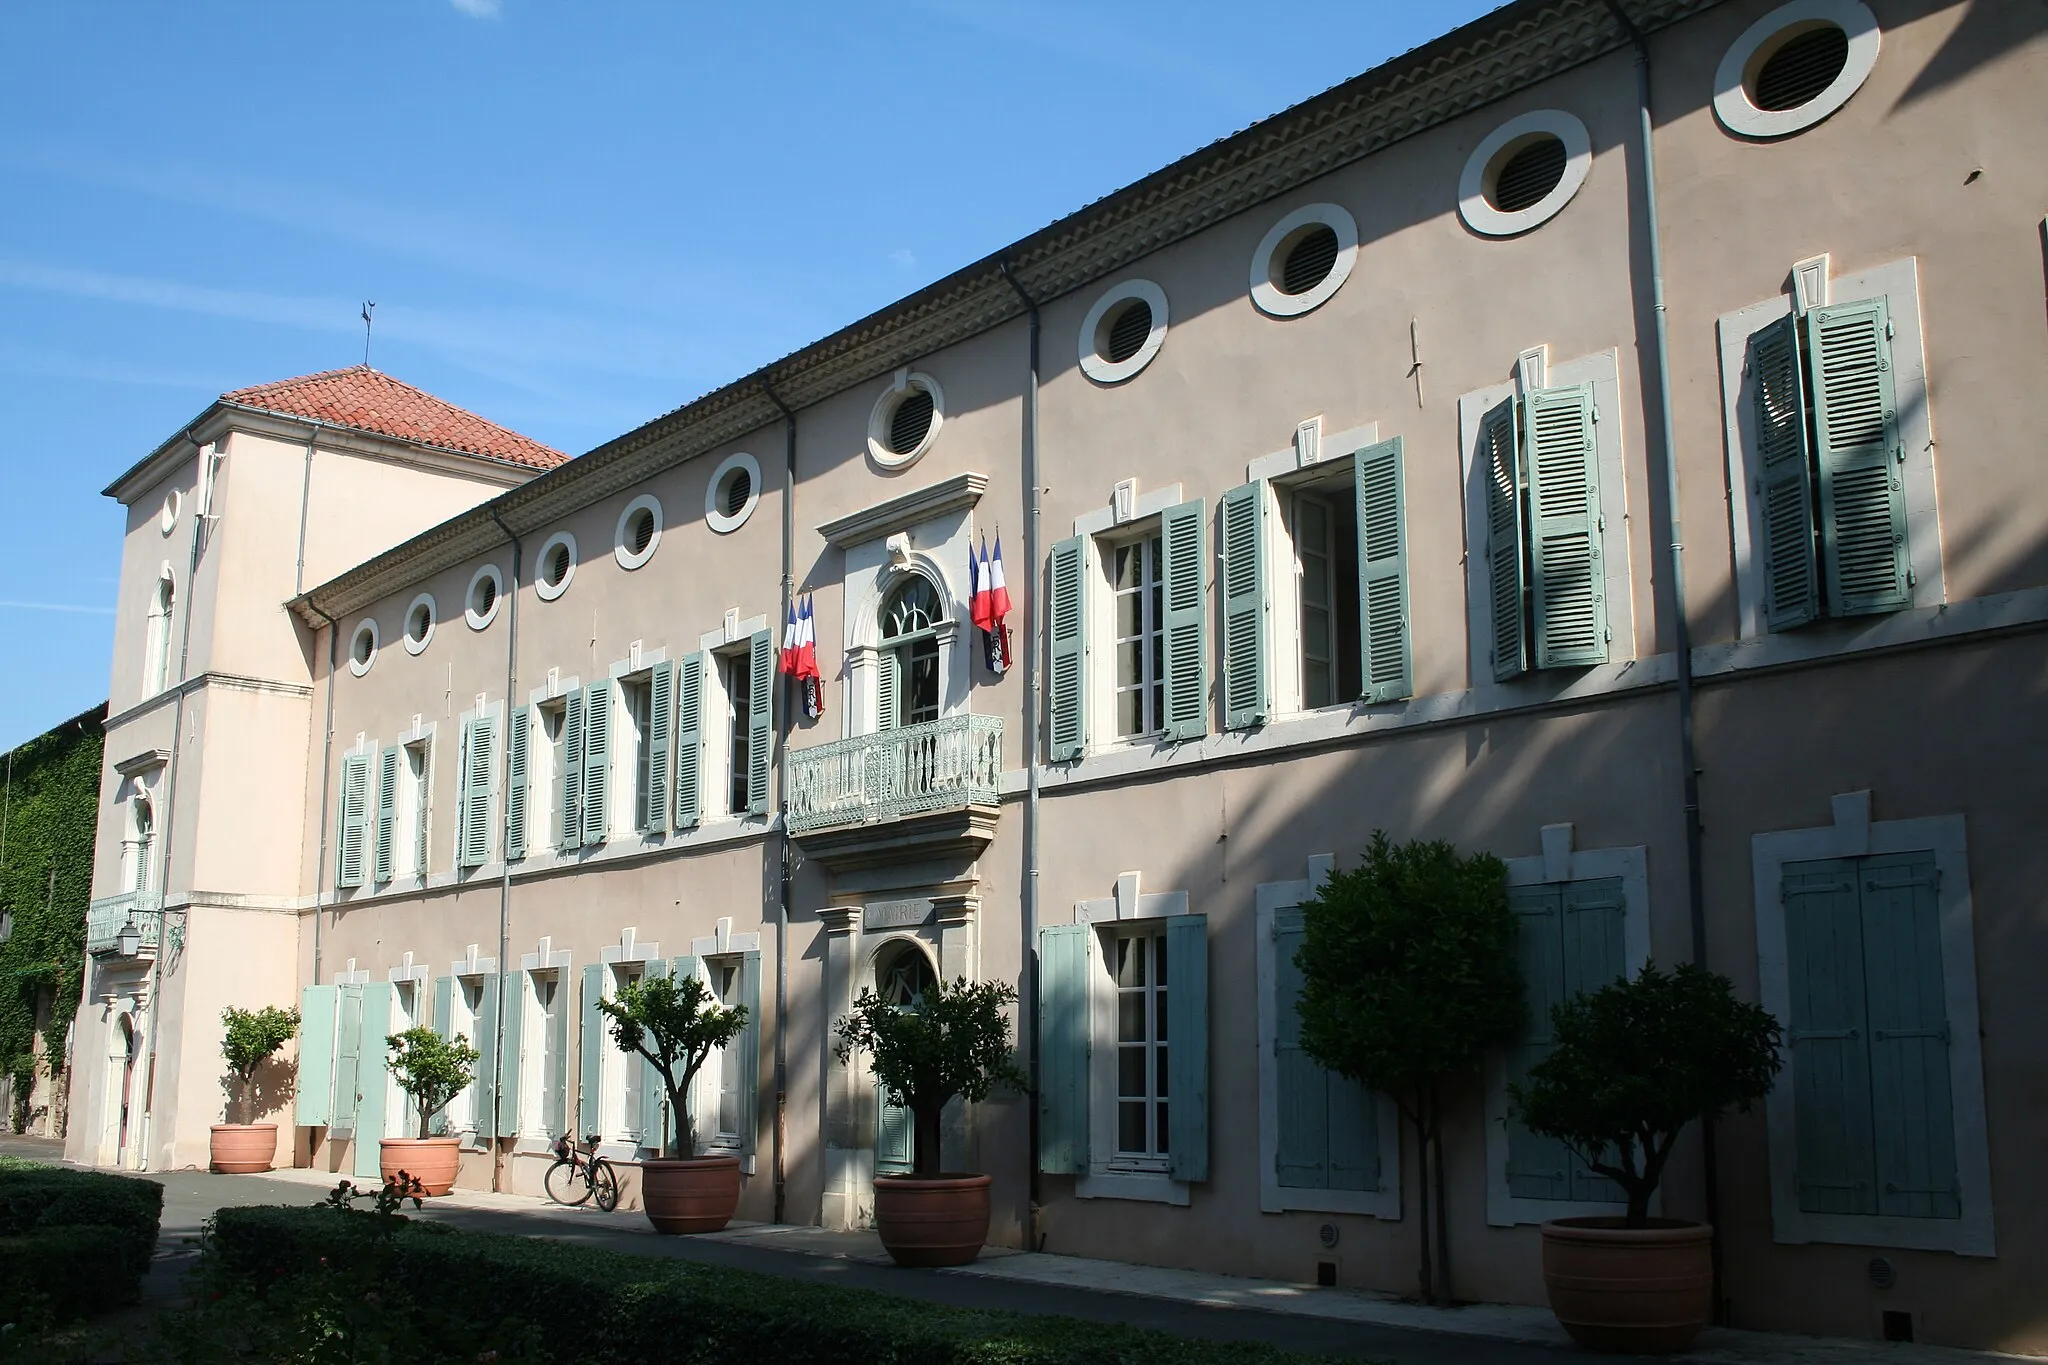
column 1343, row 1322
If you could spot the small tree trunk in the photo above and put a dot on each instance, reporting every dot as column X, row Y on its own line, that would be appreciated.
column 426, row 1120
column 679, row 1127
column 924, row 1143
column 1443, row 1232
column 1425, row 1274
column 1639, row 1206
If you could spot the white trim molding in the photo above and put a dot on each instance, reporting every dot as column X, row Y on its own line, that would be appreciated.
column 884, row 413
column 1759, row 42
column 478, row 620
column 417, row 644
column 546, row 591
column 630, row 559
column 1561, row 862
column 1095, row 360
column 1274, row 1197
column 1267, row 295
column 1475, row 182
column 715, row 515
column 360, row 667
column 1854, row 834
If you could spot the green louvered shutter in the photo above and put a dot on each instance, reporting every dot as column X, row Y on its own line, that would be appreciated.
column 590, row 1072
column 1354, row 1136
column 1830, row 1037
column 479, row 743
column 895, row 1136
column 682, row 1125
column 348, row 1043
column 749, row 1051
column 372, row 1070
column 652, row 1095
column 1186, row 620
column 1500, row 445
column 485, row 1087
column 569, row 806
column 1379, row 481
column 1862, row 471
column 1246, row 694
column 661, row 713
column 518, row 776
column 423, row 807
column 888, row 694
column 1568, row 580
column 1066, row 633
column 512, row 990
column 1063, row 1049
column 760, row 719
column 555, row 1070
column 387, row 811
column 349, row 853
column 598, row 701
column 1187, row 1053
column 313, row 1096
column 1909, row 1038
column 1595, row 949
column 444, row 1023
column 1784, row 483
column 1303, row 1158
column 689, row 740
column 1538, row 1167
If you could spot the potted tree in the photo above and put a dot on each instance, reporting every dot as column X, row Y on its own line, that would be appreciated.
column 431, row 1070
column 1633, row 1064
column 1408, row 974
column 676, row 1024
column 950, row 1040
column 253, row 1037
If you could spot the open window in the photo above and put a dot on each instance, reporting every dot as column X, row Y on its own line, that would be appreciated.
column 724, row 725
column 908, row 679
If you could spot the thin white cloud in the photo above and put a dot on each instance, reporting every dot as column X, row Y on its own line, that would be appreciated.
column 57, row 606
column 477, row 9
column 904, row 257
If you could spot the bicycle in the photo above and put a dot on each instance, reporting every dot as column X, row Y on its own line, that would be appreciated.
column 579, row 1172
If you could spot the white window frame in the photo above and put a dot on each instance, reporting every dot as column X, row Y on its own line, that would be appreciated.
column 546, row 591
column 1898, row 283
column 464, row 1120
column 1853, row 835
column 1732, row 106
column 629, row 742
column 1128, row 516
column 1104, row 681
column 1272, row 898
column 621, row 551
column 715, row 515
column 543, row 767
column 1561, row 862
column 531, row 1122
column 410, row 815
column 416, row 980
column 1110, row 1177
column 729, row 646
column 619, row 1074
column 1534, row 371
column 156, row 660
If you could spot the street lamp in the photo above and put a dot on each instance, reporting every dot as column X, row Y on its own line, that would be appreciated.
column 129, row 941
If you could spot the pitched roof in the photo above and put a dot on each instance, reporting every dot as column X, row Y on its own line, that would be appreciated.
column 362, row 398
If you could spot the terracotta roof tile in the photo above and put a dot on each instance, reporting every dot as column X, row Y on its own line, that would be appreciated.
column 362, row 398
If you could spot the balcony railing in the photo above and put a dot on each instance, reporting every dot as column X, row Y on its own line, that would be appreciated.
column 104, row 918
column 938, row 765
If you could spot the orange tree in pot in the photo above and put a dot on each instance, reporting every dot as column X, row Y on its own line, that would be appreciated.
column 676, row 1024
column 253, row 1037
column 1635, row 1062
column 431, row 1070
column 950, row 1040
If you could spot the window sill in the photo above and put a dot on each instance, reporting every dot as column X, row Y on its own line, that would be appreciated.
column 1150, row 1189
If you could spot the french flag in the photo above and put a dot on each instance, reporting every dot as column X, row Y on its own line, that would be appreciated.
column 807, row 662
column 989, row 603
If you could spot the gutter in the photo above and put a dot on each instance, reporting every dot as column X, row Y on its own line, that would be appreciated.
column 504, row 852
column 788, row 853
column 1027, row 991
column 1681, row 630
column 326, row 778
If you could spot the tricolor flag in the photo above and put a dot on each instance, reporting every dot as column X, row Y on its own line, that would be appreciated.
column 989, row 603
column 799, row 657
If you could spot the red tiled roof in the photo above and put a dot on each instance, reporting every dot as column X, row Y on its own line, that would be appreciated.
column 362, row 398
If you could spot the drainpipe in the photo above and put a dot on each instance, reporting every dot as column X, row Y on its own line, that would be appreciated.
column 504, row 862
column 305, row 503
column 1681, row 633
column 326, row 774
column 1027, row 989
column 788, row 868
column 156, row 973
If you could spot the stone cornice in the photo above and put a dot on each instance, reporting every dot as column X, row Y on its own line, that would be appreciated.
column 920, row 504
column 1489, row 59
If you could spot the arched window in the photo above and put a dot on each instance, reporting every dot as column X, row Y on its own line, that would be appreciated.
column 909, row 688
column 904, row 977
column 156, row 674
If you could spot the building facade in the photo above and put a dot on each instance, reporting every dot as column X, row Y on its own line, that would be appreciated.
column 1349, row 471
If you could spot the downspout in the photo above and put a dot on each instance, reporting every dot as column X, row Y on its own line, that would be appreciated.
column 326, row 773
column 787, row 871
column 305, row 504
column 1027, row 989
column 1681, row 632
column 156, row 972
column 504, row 862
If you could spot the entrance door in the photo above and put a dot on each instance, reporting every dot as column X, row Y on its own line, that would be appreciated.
column 902, row 978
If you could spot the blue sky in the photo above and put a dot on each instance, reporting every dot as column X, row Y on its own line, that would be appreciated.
column 572, row 217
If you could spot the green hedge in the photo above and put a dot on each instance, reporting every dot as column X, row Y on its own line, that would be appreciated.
column 62, row 1272
column 80, row 1240
column 442, row 1294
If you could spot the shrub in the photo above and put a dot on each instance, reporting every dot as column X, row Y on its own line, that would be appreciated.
column 276, row 1265
column 952, row 1040
column 1636, row 1061
column 431, row 1069
column 253, row 1038
column 1408, row 974
column 36, row 1197
column 62, row 1273
column 676, row 1024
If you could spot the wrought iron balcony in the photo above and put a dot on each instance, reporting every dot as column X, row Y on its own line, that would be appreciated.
column 105, row 917
column 938, row 765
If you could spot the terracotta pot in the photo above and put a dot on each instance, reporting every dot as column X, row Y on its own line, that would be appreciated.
column 242, row 1148
column 1616, row 1288
column 700, row 1194
column 932, row 1220
column 434, row 1161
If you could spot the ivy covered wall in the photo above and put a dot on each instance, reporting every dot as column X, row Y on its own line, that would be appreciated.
column 49, row 810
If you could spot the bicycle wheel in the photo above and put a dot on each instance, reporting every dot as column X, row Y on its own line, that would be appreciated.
column 565, row 1183
column 606, row 1184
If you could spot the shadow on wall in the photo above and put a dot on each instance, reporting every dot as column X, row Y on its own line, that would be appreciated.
column 272, row 1090
column 1988, row 30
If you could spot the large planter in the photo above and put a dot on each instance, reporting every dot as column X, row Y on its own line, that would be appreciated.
column 699, row 1194
column 242, row 1148
column 433, row 1161
column 932, row 1220
column 1616, row 1288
